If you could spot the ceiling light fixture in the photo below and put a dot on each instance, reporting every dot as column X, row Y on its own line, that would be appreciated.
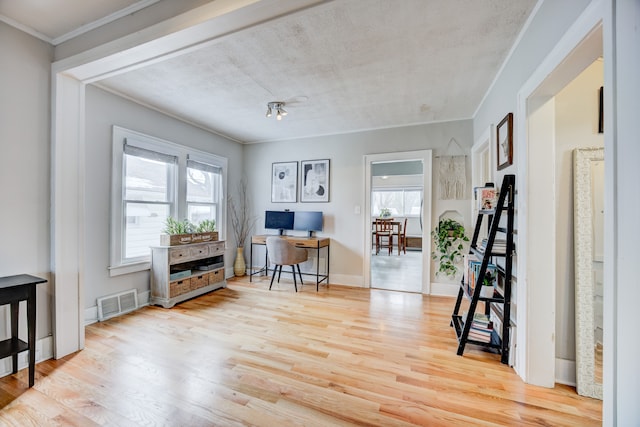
column 278, row 106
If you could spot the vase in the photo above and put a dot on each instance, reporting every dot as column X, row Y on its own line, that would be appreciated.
column 239, row 266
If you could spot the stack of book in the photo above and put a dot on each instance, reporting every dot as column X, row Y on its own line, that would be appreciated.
column 499, row 246
column 481, row 328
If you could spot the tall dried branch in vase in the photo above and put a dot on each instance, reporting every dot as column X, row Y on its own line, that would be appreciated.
column 241, row 221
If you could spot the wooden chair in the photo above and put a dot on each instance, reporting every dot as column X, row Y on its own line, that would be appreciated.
column 402, row 238
column 282, row 253
column 384, row 230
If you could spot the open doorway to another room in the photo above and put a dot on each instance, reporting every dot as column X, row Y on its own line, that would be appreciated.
column 397, row 197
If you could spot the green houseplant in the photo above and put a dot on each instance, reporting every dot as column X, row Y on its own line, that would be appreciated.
column 173, row 226
column 448, row 239
column 184, row 232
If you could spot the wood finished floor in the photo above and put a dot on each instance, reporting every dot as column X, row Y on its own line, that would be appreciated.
column 248, row 356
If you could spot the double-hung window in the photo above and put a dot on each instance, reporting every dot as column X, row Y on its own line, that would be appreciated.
column 148, row 199
column 204, row 185
column 152, row 180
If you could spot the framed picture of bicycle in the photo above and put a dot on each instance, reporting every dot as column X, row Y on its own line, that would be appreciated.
column 315, row 180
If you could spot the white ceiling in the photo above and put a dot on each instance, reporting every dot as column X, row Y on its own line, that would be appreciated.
column 344, row 66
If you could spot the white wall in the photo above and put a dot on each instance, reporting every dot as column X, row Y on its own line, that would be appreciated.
column 576, row 109
column 103, row 110
column 25, row 167
column 622, row 150
column 346, row 152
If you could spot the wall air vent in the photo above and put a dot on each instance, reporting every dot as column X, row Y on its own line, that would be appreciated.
column 117, row 304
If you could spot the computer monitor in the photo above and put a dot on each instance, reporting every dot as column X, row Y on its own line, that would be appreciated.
column 278, row 220
column 308, row 221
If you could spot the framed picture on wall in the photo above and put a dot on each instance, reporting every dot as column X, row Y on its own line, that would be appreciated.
column 504, row 142
column 315, row 181
column 284, row 182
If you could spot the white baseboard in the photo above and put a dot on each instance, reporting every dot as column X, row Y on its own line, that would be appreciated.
column 44, row 351
column 346, row 280
column 566, row 372
column 444, row 289
column 91, row 313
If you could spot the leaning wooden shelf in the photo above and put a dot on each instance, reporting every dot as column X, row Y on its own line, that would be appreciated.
column 486, row 254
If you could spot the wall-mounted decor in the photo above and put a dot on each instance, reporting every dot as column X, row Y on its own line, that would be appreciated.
column 284, row 182
column 504, row 140
column 315, row 181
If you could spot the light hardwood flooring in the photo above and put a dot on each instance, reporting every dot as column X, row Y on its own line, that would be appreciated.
column 248, row 356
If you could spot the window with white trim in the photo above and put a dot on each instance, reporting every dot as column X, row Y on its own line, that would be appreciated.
column 152, row 180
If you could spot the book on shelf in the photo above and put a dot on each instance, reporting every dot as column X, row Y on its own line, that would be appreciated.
column 486, row 198
column 473, row 272
column 499, row 246
column 474, row 335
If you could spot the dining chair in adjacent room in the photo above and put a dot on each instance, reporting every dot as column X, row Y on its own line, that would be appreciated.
column 384, row 235
column 402, row 238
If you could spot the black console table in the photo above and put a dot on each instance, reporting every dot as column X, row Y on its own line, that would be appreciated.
column 14, row 289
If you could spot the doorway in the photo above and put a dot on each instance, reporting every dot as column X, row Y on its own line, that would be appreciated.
column 396, row 189
column 542, row 296
column 400, row 182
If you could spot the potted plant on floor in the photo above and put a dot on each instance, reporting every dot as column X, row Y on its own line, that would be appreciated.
column 448, row 238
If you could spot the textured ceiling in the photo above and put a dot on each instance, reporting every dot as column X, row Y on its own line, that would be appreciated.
column 343, row 66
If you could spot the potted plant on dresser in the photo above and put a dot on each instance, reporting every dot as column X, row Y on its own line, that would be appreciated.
column 185, row 232
column 242, row 223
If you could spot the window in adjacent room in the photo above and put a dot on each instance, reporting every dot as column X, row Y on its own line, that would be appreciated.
column 400, row 201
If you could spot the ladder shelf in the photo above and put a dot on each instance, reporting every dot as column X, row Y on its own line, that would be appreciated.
column 500, row 303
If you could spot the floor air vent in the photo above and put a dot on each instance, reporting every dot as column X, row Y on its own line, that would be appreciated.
column 117, row 304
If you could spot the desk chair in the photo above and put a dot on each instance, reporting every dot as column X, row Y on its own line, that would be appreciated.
column 282, row 253
column 384, row 230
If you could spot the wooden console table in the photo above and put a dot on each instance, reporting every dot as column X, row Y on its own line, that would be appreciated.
column 14, row 289
column 315, row 243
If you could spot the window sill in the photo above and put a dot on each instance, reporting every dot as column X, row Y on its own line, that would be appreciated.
column 129, row 268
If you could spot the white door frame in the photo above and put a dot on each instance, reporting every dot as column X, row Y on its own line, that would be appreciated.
column 426, row 157
column 482, row 144
column 536, row 202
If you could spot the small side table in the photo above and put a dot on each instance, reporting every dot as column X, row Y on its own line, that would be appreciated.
column 14, row 289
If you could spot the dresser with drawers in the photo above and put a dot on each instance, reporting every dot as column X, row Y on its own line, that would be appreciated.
column 181, row 272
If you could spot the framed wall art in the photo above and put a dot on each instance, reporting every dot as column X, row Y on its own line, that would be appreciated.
column 315, row 180
column 504, row 142
column 284, row 182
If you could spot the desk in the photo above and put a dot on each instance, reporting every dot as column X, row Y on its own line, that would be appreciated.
column 302, row 242
column 14, row 289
